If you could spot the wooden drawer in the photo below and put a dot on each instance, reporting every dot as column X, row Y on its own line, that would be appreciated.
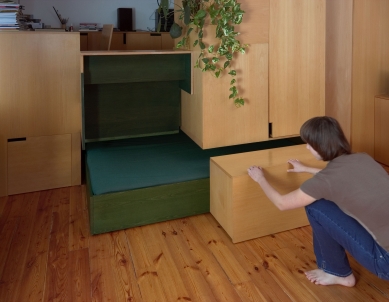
column 39, row 163
column 239, row 204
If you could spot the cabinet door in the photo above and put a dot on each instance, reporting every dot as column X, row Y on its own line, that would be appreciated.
column 296, row 64
column 167, row 42
column 143, row 41
column 117, row 42
column 39, row 163
column 94, row 40
column 83, row 41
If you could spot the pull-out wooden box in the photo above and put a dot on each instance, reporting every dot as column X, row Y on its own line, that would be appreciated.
column 239, row 204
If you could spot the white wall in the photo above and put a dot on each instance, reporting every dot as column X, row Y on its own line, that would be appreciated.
column 96, row 11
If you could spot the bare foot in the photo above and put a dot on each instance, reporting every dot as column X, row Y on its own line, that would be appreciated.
column 320, row 277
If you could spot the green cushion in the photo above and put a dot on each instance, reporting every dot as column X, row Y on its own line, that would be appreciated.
column 135, row 163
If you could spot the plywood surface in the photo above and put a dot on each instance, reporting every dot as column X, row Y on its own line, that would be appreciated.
column 39, row 163
column 339, row 26
column 381, row 130
column 370, row 69
column 240, row 205
column 296, row 64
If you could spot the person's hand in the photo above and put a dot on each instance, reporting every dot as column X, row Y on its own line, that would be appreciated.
column 297, row 166
column 256, row 173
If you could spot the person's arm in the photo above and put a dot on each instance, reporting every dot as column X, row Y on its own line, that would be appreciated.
column 292, row 200
column 299, row 167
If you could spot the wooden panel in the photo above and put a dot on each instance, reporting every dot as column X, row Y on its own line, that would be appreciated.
column 254, row 28
column 94, row 39
column 339, row 26
column 296, row 64
column 117, row 42
column 252, row 213
column 224, row 123
column 381, row 130
column 76, row 159
column 143, row 41
column 370, row 69
column 106, row 37
column 166, row 41
column 211, row 119
column 48, row 101
column 3, row 161
column 48, row 65
column 83, row 41
column 39, row 163
column 221, row 184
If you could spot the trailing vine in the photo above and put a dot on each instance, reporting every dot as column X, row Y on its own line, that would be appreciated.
column 216, row 58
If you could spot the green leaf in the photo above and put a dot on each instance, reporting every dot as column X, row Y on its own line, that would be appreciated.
column 226, row 64
column 239, row 102
column 195, row 43
column 215, row 60
column 210, row 48
column 232, row 72
column 205, row 60
column 202, row 45
column 201, row 14
column 233, row 81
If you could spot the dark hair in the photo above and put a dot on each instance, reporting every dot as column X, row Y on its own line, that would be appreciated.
column 325, row 136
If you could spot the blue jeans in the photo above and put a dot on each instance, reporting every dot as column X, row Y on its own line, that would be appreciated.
column 334, row 232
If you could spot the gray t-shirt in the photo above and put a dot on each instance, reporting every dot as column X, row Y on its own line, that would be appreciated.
column 360, row 187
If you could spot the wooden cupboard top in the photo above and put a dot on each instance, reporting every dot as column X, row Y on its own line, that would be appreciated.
column 237, row 164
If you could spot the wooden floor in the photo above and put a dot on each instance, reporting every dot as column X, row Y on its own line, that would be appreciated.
column 47, row 254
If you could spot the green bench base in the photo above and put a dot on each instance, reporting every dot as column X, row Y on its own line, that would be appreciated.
column 122, row 210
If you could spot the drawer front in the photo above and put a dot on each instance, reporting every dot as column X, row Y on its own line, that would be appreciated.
column 39, row 163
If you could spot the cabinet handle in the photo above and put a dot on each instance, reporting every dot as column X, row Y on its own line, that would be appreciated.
column 17, row 139
column 155, row 35
column 124, row 38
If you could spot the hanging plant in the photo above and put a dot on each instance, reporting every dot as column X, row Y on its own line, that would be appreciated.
column 216, row 58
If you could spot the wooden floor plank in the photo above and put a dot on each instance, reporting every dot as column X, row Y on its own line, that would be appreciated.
column 17, row 254
column 284, row 277
column 224, row 256
column 79, row 276
column 147, row 277
column 266, row 285
column 3, row 201
column 189, row 271
column 6, row 236
column 34, row 271
column 78, row 226
column 164, row 265
column 210, row 268
column 124, row 272
column 57, row 283
column 188, row 259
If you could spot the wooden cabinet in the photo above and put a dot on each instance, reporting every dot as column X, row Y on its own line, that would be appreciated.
column 39, row 163
column 296, row 64
column 128, row 41
column 281, row 77
column 208, row 116
column 40, row 111
column 357, row 66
